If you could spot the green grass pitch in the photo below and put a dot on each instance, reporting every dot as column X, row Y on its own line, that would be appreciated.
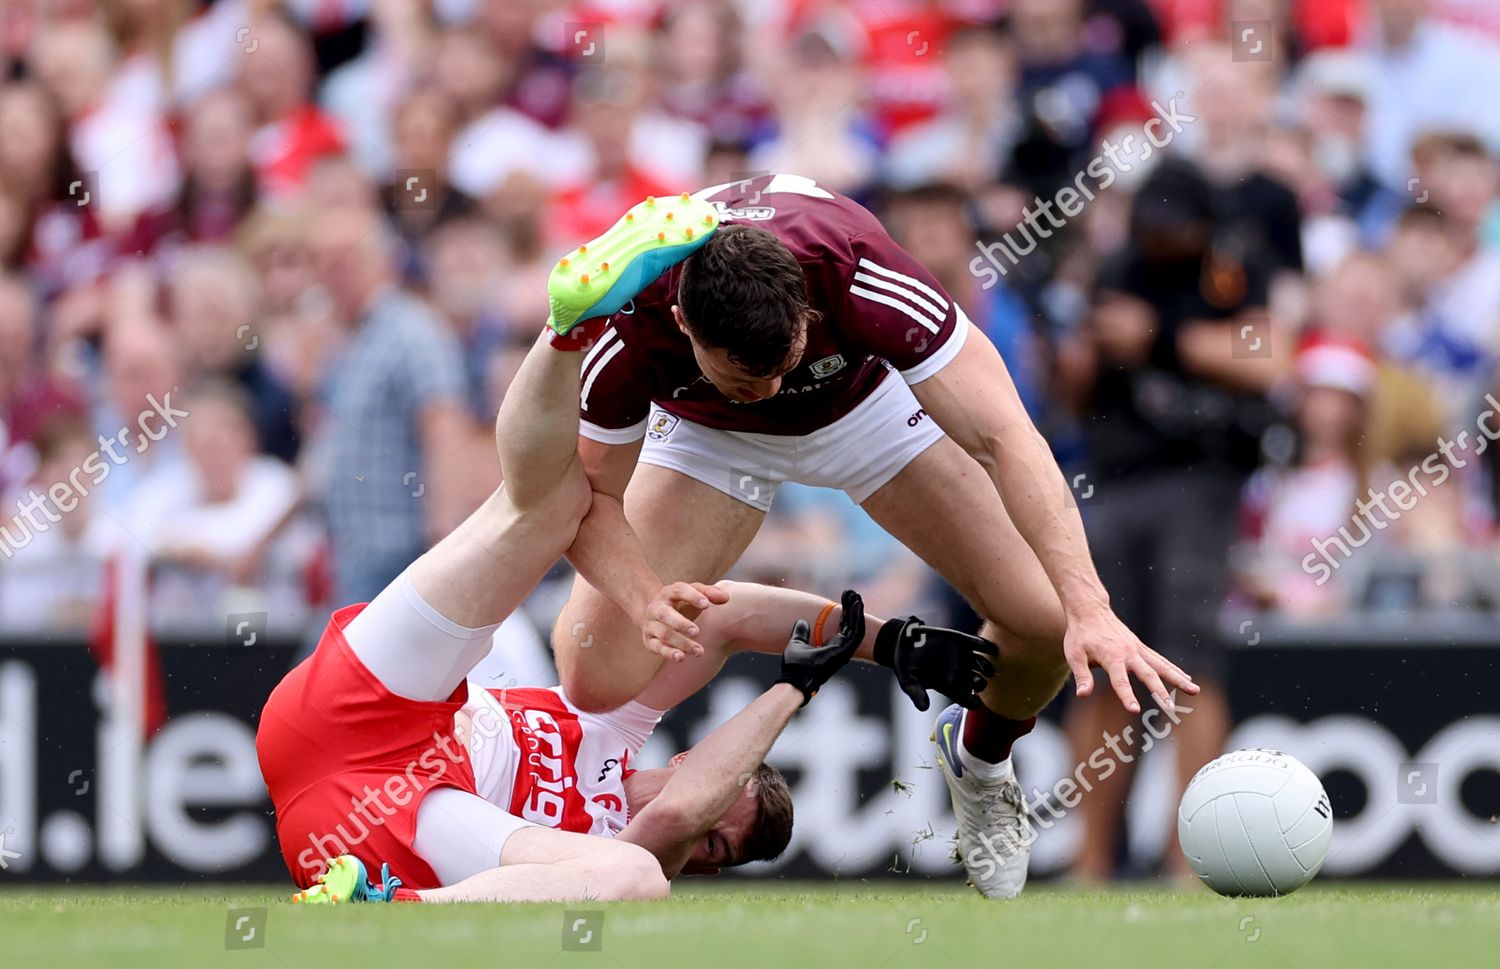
column 776, row 926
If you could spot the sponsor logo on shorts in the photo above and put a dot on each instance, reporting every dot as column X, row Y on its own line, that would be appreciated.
column 661, row 425
column 828, row 366
column 917, row 418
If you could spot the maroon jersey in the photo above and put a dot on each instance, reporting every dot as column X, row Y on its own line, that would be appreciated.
column 881, row 311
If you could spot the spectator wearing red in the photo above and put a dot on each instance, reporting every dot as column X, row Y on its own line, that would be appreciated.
column 606, row 108
column 293, row 131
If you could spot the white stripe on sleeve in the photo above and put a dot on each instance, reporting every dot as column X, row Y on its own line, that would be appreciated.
column 912, row 297
column 917, row 315
column 588, row 384
column 903, row 278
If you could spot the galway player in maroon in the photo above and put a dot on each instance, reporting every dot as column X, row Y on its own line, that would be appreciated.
column 800, row 343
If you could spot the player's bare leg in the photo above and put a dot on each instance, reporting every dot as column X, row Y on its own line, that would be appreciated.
column 974, row 545
column 544, row 865
column 481, row 571
column 536, row 865
column 944, row 507
column 690, row 532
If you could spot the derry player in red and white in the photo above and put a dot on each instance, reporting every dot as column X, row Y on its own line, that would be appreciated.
column 801, row 343
column 376, row 750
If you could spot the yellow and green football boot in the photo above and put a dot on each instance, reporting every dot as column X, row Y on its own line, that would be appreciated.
column 346, row 881
column 600, row 277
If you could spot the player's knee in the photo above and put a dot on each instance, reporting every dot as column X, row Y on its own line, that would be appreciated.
column 1034, row 635
column 561, row 509
column 592, row 685
column 592, row 694
column 1038, row 646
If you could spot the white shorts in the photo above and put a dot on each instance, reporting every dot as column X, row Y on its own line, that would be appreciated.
column 856, row 454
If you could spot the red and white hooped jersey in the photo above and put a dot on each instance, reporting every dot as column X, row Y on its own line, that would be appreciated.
column 881, row 311
column 545, row 761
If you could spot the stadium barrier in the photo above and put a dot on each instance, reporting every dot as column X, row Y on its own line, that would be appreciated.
column 1403, row 728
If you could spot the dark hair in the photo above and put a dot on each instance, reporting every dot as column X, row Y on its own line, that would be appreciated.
column 772, row 830
column 743, row 292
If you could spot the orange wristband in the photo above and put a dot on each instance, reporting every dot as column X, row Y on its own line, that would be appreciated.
column 817, row 632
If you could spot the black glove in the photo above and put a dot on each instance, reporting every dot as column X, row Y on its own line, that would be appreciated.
column 808, row 667
column 933, row 658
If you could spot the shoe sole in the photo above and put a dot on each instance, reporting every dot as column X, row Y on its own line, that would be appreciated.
column 600, row 277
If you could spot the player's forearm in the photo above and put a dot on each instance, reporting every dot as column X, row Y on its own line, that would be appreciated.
column 610, row 558
column 974, row 400
column 1041, row 505
column 536, row 431
column 711, row 778
column 758, row 618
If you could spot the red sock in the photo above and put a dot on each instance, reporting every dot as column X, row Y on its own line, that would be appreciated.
column 988, row 736
column 406, row 895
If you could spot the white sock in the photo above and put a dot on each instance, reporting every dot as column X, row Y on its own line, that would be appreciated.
column 982, row 769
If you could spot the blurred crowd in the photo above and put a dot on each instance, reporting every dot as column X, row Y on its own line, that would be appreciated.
column 266, row 270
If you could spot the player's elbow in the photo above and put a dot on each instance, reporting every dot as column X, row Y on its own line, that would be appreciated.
column 633, row 875
column 561, row 505
column 675, row 821
column 1011, row 439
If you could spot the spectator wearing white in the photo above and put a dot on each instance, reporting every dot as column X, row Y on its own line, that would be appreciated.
column 1427, row 75
column 1452, row 290
column 208, row 520
column 175, row 51
column 125, row 143
column 497, row 142
column 54, row 579
column 1310, row 501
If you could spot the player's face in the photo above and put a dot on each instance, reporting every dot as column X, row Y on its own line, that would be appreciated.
column 733, row 381
column 723, row 846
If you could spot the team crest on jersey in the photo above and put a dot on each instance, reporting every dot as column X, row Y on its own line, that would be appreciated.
column 752, row 213
column 828, row 366
column 661, row 425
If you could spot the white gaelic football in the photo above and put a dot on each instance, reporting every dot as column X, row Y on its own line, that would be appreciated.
column 1255, row 822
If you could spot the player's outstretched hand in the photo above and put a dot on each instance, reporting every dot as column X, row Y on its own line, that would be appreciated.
column 808, row 667
column 667, row 626
column 1104, row 641
column 933, row 658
